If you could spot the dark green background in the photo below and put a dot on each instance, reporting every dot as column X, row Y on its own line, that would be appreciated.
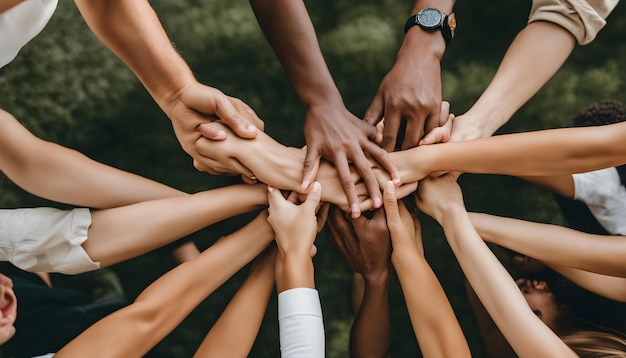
column 66, row 87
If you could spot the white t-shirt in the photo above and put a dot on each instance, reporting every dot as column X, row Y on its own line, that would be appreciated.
column 605, row 196
column 301, row 327
column 20, row 24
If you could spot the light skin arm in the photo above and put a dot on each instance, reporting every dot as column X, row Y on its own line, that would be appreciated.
column 436, row 328
column 71, row 177
column 364, row 245
column 602, row 254
column 442, row 199
column 122, row 233
column 330, row 130
column 135, row 329
column 540, row 153
column 412, row 88
column 132, row 30
column 611, row 287
column 235, row 331
column 540, row 49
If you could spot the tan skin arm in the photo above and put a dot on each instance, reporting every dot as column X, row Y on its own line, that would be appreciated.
column 235, row 331
column 71, row 177
column 122, row 233
column 602, row 254
column 132, row 30
column 436, row 328
column 135, row 329
column 442, row 199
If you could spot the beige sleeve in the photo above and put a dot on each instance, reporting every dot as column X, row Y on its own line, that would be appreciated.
column 584, row 19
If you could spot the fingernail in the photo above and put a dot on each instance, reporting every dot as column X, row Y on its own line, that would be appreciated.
column 377, row 202
column 220, row 135
column 396, row 181
column 270, row 189
column 390, row 188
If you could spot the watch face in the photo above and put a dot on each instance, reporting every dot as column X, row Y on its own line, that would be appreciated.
column 429, row 18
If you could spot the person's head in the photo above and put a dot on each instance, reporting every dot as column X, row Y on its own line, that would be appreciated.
column 595, row 344
column 8, row 309
column 543, row 304
column 607, row 111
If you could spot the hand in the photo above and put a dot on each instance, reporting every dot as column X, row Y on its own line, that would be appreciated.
column 197, row 104
column 440, row 134
column 295, row 226
column 410, row 91
column 341, row 138
column 436, row 195
column 362, row 243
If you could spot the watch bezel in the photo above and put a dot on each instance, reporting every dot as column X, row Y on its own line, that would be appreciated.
column 425, row 14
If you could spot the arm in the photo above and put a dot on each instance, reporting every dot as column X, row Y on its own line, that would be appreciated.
column 596, row 253
column 364, row 246
column 539, row 153
column 133, row 32
column 436, row 328
column 71, row 177
column 412, row 88
column 540, row 49
column 611, row 287
column 330, row 130
column 300, row 322
column 122, row 233
column 235, row 331
column 527, row 334
column 135, row 329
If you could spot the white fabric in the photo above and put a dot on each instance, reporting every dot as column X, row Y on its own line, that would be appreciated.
column 46, row 239
column 20, row 24
column 49, row 355
column 605, row 196
column 300, row 323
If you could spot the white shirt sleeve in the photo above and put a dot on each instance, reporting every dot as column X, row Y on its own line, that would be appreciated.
column 605, row 196
column 300, row 323
column 19, row 24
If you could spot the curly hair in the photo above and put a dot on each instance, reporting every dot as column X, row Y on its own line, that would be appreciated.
column 607, row 111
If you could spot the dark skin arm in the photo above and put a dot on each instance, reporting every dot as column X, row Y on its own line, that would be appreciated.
column 330, row 130
column 364, row 245
column 412, row 88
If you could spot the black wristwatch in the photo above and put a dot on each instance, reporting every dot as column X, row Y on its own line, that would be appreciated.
column 431, row 19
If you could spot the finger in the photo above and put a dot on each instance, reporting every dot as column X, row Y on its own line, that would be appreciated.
column 274, row 197
column 444, row 113
column 382, row 157
column 250, row 113
column 391, row 204
column 374, row 113
column 364, row 168
column 437, row 135
column 293, row 197
column 212, row 130
column 249, row 180
column 313, row 199
column 311, row 166
column 341, row 164
column 380, row 127
column 432, row 121
column 322, row 216
column 390, row 133
column 234, row 119
column 414, row 131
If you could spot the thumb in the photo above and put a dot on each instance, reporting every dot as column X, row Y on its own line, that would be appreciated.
column 313, row 199
column 274, row 197
column 235, row 120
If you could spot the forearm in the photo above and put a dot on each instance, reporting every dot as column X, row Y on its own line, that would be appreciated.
column 371, row 331
column 134, row 33
column 540, row 48
column 126, row 232
column 133, row 330
column 435, row 325
column 596, row 253
column 294, row 270
column 288, row 28
column 528, row 336
column 71, row 177
column 546, row 152
column 235, row 331
column 611, row 287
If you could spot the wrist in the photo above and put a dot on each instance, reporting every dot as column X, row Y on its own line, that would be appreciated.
column 325, row 98
column 380, row 278
column 419, row 44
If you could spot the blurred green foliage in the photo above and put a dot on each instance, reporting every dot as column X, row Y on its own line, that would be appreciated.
column 67, row 87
